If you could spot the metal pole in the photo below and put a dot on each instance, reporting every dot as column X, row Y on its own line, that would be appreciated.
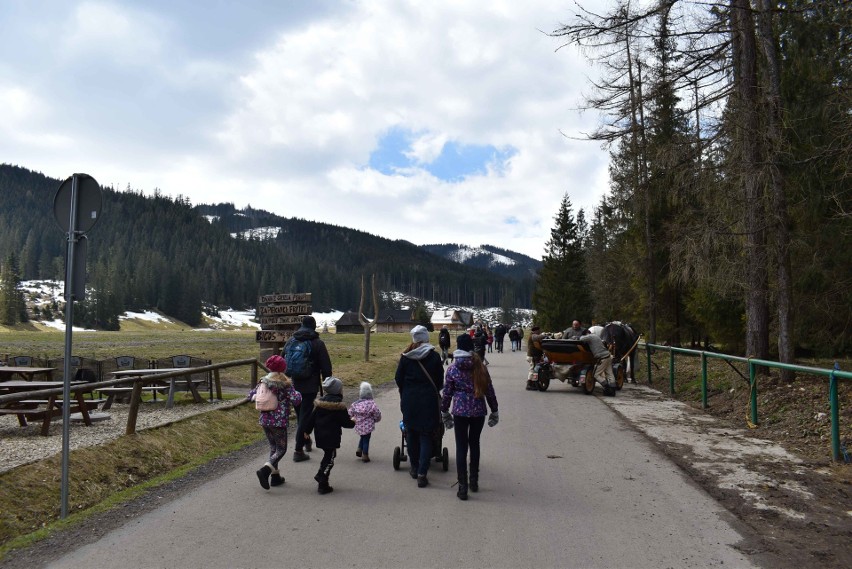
column 69, row 324
column 671, row 372
column 752, row 372
column 704, row 380
column 835, row 413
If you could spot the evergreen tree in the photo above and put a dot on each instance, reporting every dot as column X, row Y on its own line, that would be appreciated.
column 562, row 293
column 13, row 308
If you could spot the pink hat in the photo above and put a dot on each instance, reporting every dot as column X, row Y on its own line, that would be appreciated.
column 276, row 363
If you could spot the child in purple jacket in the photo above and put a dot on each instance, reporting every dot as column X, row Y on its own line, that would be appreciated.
column 366, row 414
column 274, row 422
column 468, row 387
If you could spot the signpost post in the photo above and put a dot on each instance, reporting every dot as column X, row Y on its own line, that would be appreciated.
column 77, row 207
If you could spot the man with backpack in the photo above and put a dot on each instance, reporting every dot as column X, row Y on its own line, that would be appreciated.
column 308, row 363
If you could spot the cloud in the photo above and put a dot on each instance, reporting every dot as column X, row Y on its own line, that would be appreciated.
column 377, row 115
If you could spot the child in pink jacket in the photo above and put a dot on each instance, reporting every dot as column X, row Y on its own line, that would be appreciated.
column 366, row 414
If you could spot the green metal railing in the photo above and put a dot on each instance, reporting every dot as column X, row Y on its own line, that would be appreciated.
column 832, row 374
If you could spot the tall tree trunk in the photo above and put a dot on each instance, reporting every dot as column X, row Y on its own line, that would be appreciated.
column 781, row 237
column 748, row 142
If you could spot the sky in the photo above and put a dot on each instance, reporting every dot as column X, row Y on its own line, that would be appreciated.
column 433, row 121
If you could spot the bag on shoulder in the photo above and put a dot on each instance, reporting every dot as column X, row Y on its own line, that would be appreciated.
column 297, row 354
column 265, row 399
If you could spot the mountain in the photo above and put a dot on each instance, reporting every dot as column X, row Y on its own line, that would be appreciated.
column 163, row 253
column 499, row 261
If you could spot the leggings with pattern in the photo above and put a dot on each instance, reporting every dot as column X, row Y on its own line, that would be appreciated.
column 277, row 437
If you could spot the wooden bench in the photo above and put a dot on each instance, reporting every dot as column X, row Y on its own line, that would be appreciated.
column 46, row 409
column 114, row 393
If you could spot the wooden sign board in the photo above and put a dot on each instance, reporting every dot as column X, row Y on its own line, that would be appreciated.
column 280, row 316
column 285, row 297
column 273, row 336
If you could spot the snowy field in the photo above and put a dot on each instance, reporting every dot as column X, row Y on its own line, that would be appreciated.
column 40, row 293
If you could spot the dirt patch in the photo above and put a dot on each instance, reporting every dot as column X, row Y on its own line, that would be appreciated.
column 778, row 477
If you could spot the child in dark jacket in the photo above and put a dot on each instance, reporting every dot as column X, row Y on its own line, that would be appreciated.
column 274, row 422
column 328, row 419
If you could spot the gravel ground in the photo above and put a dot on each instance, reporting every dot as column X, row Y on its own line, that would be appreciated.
column 22, row 445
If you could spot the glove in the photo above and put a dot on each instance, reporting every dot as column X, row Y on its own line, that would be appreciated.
column 493, row 418
column 447, row 419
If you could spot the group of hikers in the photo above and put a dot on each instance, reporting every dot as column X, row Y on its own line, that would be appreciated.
column 485, row 340
column 432, row 400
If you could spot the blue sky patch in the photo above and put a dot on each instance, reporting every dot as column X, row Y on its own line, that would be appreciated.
column 456, row 161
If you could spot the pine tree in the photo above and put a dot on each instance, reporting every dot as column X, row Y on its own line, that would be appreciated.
column 13, row 308
column 562, row 292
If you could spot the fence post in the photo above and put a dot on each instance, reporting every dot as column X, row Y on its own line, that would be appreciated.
column 752, row 374
column 648, row 354
column 135, row 400
column 704, row 380
column 835, row 414
column 671, row 372
column 254, row 374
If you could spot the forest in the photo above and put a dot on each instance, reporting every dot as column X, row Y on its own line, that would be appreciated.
column 162, row 252
column 729, row 126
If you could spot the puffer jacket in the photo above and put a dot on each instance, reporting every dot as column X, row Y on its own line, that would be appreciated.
column 458, row 389
column 281, row 385
column 328, row 420
column 366, row 414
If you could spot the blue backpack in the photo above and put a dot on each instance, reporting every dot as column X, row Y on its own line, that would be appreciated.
column 297, row 354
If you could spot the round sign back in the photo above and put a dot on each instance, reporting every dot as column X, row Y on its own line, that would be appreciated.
column 89, row 202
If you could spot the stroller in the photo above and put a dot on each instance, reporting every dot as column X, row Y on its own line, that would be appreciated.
column 442, row 456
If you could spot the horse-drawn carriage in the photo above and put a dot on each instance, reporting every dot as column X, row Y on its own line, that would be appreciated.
column 572, row 361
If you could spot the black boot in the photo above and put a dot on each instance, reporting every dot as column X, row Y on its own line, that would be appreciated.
column 474, row 480
column 462, row 491
column 276, row 479
column 263, row 476
column 323, row 487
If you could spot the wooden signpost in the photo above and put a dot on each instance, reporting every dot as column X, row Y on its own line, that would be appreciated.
column 280, row 316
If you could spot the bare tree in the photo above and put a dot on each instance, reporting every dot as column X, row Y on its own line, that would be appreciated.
column 362, row 318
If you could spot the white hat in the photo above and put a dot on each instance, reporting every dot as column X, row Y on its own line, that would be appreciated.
column 365, row 391
column 419, row 334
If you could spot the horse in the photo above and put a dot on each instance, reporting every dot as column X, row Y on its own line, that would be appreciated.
column 621, row 339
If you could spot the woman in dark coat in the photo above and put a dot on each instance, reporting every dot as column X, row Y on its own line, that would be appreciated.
column 420, row 378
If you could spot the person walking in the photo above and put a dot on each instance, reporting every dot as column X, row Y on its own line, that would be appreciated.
column 534, row 355
column 444, row 343
column 420, row 377
column 468, row 387
column 499, row 334
column 366, row 414
column 308, row 363
column 513, row 338
column 328, row 419
column 480, row 343
column 273, row 396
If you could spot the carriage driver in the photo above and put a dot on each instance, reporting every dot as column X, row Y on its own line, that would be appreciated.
column 603, row 368
column 534, row 355
column 574, row 332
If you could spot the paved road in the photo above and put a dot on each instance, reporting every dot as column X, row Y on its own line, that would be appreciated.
column 564, row 483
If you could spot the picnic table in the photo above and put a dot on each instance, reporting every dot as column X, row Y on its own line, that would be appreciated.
column 153, row 383
column 45, row 409
column 28, row 373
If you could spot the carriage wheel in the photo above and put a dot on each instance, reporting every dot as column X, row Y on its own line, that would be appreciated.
column 619, row 377
column 397, row 453
column 589, row 384
column 445, row 459
column 543, row 380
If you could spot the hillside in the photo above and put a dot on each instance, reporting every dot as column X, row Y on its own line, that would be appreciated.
column 164, row 253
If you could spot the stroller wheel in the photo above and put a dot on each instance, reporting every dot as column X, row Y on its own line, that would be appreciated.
column 397, row 452
column 445, row 460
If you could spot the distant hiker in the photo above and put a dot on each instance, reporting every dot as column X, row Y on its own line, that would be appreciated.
column 468, row 387
column 419, row 377
column 307, row 364
column 514, row 338
column 366, row 414
column 273, row 397
column 480, row 344
column 489, row 339
column 328, row 419
column 499, row 334
column 444, row 344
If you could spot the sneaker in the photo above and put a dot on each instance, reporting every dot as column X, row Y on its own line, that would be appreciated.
column 422, row 481
column 276, row 479
column 358, row 453
column 413, row 472
column 300, row 456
